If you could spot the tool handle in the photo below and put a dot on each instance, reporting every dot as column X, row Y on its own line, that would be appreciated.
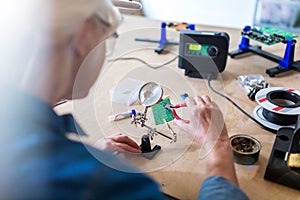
column 180, row 105
column 179, row 118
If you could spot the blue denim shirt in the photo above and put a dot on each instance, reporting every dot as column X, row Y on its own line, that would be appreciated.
column 39, row 162
column 218, row 188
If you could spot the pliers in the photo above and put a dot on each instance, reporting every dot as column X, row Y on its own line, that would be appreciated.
column 172, row 108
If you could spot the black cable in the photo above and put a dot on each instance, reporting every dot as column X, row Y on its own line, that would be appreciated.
column 233, row 103
column 144, row 62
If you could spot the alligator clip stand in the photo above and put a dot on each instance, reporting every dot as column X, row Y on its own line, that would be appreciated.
column 287, row 142
column 284, row 64
column 147, row 152
column 163, row 42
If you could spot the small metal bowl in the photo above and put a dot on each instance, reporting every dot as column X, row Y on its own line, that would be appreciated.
column 245, row 149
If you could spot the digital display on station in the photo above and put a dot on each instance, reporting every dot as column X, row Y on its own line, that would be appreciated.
column 195, row 49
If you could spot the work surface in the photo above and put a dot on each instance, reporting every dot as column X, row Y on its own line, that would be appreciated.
column 178, row 167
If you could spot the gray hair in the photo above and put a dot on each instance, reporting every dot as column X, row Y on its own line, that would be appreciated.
column 28, row 24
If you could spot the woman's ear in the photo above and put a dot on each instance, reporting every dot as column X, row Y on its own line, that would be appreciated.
column 87, row 36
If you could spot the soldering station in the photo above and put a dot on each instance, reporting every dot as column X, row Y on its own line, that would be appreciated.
column 203, row 54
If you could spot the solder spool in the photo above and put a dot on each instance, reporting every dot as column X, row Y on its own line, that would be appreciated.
column 278, row 107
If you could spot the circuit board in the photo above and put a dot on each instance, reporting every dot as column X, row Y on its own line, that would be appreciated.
column 162, row 114
column 267, row 35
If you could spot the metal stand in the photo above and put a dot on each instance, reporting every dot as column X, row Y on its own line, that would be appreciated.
column 163, row 41
column 147, row 152
column 284, row 64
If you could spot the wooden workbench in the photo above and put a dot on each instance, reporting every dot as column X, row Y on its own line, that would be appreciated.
column 178, row 168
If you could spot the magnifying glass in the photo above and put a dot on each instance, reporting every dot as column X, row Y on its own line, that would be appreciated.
column 150, row 94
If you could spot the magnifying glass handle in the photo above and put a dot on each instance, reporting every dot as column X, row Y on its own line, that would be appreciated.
column 145, row 111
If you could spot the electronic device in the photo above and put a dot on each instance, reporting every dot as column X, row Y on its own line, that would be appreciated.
column 269, row 36
column 202, row 52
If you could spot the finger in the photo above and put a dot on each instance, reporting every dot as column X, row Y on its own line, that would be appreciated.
column 127, row 148
column 215, row 105
column 190, row 102
column 199, row 101
column 182, row 125
column 125, row 139
column 114, row 135
column 190, row 131
column 104, row 144
column 206, row 99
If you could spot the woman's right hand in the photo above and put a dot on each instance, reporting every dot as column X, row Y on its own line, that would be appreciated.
column 206, row 121
column 208, row 128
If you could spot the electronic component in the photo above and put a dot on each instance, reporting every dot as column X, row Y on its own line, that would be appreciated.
column 202, row 52
column 267, row 35
column 161, row 114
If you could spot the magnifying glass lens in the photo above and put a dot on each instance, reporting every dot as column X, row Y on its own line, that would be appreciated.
column 150, row 94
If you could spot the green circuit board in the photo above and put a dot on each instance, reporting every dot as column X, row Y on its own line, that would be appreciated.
column 162, row 114
column 267, row 35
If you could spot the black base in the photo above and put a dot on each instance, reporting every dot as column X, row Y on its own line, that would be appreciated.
column 277, row 70
column 147, row 152
column 272, row 71
column 161, row 46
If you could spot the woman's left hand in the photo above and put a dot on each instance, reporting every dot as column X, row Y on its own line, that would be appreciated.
column 118, row 143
